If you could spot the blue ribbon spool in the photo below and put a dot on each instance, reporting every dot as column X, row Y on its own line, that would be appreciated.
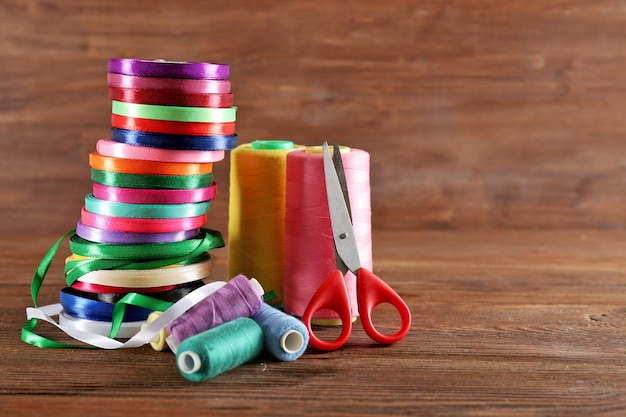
column 85, row 308
column 175, row 142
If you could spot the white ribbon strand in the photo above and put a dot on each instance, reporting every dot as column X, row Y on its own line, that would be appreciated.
column 145, row 335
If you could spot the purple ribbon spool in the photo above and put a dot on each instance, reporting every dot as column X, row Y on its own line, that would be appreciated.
column 169, row 69
column 115, row 237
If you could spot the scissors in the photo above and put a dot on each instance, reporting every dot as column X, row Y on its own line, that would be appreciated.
column 332, row 293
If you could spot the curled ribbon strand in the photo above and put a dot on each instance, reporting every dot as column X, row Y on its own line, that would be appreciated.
column 171, row 312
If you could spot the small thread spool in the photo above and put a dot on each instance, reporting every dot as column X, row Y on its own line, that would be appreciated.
column 158, row 343
column 286, row 337
column 256, row 221
column 309, row 245
column 218, row 350
column 240, row 297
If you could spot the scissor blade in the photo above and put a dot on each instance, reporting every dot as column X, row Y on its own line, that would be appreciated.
column 343, row 233
column 341, row 174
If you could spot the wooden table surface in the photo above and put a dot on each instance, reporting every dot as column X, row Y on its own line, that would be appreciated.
column 496, row 133
column 504, row 323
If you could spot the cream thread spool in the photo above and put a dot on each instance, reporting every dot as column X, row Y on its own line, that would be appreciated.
column 256, row 221
column 158, row 341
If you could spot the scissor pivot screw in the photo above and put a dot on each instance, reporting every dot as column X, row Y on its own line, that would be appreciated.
column 343, row 236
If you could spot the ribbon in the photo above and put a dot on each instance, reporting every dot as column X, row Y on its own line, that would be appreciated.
column 178, row 142
column 154, row 196
column 207, row 239
column 172, row 69
column 97, row 288
column 34, row 314
column 175, row 113
column 145, row 211
column 147, row 333
column 127, row 224
column 126, row 330
column 138, row 166
column 170, row 97
column 119, row 179
column 135, row 257
column 172, row 127
column 173, row 294
column 118, row 238
column 177, row 84
column 89, row 309
column 121, row 150
column 143, row 278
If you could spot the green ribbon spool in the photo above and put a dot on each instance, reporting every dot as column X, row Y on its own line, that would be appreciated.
column 175, row 113
column 146, row 256
column 120, row 179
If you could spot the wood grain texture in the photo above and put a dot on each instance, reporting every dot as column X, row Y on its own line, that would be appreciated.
column 481, row 114
column 505, row 323
column 495, row 130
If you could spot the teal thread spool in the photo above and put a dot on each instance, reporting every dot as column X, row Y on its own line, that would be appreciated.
column 220, row 349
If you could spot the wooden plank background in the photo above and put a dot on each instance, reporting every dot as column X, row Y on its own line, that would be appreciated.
column 477, row 114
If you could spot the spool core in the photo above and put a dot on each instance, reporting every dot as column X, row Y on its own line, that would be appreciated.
column 291, row 341
column 189, row 361
column 320, row 149
column 272, row 145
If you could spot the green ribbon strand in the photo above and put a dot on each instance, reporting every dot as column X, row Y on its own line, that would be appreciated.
column 128, row 257
column 175, row 113
column 207, row 239
column 146, row 256
column 134, row 299
column 32, row 338
column 44, row 265
column 28, row 334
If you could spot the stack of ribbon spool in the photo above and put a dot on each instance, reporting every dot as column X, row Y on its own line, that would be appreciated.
column 140, row 253
column 140, row 241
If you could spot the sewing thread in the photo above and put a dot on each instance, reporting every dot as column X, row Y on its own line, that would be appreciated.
column 286, row 337
column 218, row 350
column 240, row 297
column 256, row 215
column 309, row 245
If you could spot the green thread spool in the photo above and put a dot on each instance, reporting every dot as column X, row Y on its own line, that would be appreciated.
column 220, row 349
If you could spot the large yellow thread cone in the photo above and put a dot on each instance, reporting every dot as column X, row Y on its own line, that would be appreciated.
column 256, row 222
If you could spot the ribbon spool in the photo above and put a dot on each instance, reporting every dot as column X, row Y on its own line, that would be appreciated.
column 309, row 245
column 154, row 196
column 175, row 113
column 172, row 127
column 174, row 142
column 170, row 97
column 256, row 214
column 153, row 184
column 177, row 84
column 172, row 69
column 127, row 329
column 121, row 150
column 118, row 238
column 140, row 166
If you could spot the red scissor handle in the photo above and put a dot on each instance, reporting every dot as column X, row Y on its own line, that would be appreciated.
column 373, row 291
column 332, row 295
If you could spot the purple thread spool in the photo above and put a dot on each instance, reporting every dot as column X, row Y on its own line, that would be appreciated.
column 240, row 297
